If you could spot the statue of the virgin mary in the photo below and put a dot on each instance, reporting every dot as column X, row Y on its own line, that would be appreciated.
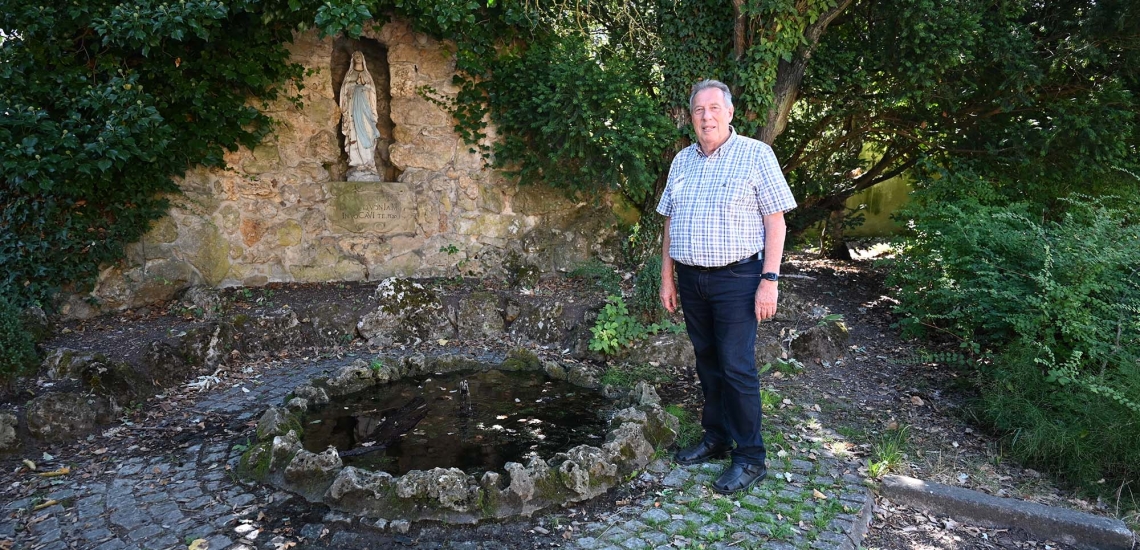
column 358, row 120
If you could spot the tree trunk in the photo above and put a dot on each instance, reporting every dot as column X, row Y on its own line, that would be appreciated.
column 790, row 74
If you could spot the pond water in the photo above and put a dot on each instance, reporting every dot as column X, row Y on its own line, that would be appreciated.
column 419, row 424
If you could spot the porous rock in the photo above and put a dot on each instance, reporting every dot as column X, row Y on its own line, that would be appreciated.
column 58, row 416
column 450, row 487
column 644, row 394
column 407, row 311
column 587, row 471
column 827, row 341
column 284, row 448
column 666, row 348
column 351, row 379
column 312, row 394
column 206, row 300
column 627, row 445
column 274, row 421
column 355, row 486
column 8, row 439
column 522, row 481
column 543, row 322
column 479, row 316
column 309, row 468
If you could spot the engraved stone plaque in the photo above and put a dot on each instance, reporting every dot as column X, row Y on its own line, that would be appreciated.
column 383, row 208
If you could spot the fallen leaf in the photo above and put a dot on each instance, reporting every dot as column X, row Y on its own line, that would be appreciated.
column 817, row 494
column 916, row 400
column 56, row 473
column 199, row 544
column 31, row 465
column 99, row 451
column 43, row 505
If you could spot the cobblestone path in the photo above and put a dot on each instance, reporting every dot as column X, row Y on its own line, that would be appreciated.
column 813, row 498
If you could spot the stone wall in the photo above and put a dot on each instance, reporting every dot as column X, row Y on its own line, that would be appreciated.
column 278, row 212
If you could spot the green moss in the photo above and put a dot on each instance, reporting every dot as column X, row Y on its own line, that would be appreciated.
column 255, row 461
column 519, row 359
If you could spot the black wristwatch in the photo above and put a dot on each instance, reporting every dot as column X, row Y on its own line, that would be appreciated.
column 769, row 276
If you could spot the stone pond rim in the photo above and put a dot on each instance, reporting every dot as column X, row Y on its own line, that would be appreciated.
column 449, row 494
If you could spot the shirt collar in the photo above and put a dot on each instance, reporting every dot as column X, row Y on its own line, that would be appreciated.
column 723, row 147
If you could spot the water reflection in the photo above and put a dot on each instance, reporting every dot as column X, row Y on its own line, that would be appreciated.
column 472, row 421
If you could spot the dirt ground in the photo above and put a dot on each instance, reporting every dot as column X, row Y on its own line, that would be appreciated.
column 880, row 388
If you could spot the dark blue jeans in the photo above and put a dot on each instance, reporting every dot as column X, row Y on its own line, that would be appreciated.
column 720, row 316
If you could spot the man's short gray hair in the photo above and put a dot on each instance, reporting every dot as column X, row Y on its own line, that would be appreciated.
column 706, row 84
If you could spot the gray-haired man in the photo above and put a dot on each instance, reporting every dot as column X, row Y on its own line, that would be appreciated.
column 724, row 236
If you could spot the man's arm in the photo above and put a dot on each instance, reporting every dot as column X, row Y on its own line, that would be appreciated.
column 668, row 290
column 766, row 296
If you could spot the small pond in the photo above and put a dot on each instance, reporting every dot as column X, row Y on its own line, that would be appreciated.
column 474, row 421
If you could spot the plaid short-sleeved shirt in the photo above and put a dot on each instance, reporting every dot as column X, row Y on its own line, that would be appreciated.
column 717, row 202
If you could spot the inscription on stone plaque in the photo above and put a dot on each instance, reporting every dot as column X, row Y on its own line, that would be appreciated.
column 383, row 208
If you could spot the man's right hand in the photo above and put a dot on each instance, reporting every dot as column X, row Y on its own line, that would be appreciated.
column 669, row 295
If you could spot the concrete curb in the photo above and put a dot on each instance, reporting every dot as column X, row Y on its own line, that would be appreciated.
column 1061, row 524
column 862, row 523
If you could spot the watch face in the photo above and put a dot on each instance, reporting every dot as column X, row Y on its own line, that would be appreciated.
column 770, row 276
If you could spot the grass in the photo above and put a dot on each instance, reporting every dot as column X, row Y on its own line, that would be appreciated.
column 888, row 452
column 769, row 400
column 690, row 431
column 627, row 376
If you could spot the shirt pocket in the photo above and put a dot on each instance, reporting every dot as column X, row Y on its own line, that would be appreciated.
column 737, row 194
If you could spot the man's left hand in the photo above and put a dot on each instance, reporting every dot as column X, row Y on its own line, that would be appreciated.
column 766, row 297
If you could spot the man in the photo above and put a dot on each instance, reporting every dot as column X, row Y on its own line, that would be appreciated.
column 724, row 236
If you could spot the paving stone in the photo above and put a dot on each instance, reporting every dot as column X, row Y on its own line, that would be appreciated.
column 586, row 543
column 635, row 543
column 95, row 535
column 759, row 529
column 779, row 545
column 676, row 478
column 656, row 516
column 712, row 530
column 200, row 502
column 113, row 544
column 46, row 530
column 633, row 526
column 656, row 539
column 617, row 535
column 130, row 468
column 242, row 500
column 219, row 541
column 62, row 494
column 145, row 532
column 130, row 518
column 312, row 531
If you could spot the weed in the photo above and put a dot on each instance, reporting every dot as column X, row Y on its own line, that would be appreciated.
column 690, row 431
column 627, row 376
column 769, row 400
column 888, row 453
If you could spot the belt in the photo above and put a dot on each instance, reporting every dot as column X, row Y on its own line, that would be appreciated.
column 753, row 258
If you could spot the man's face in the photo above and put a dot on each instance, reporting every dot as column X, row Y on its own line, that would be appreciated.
column 711, row 118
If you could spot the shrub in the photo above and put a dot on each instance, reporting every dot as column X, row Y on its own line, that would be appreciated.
column 17, row 353
column 1058, row 304
column 616, row 328
column 646, row 291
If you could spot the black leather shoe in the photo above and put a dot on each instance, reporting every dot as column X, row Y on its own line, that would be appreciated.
column 702, row 452
column 739, row 477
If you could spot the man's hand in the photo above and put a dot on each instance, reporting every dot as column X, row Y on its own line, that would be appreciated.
column 766, row 297
column 668, row 294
